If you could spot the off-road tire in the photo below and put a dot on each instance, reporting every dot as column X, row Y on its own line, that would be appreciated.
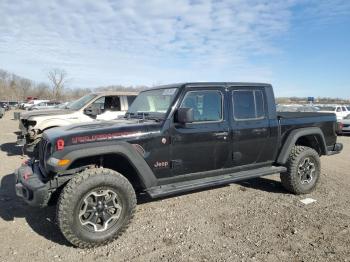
column 291, row 180
column 72, row 195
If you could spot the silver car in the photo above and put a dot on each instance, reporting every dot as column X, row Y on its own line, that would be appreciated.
column 44, row 105
column 345, row 125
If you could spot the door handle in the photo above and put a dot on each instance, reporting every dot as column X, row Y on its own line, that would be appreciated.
column 221, row 134
column 259, row 130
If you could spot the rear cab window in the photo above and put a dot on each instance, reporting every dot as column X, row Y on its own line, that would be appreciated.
column 248, row 104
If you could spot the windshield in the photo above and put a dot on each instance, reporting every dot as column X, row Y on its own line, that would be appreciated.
column 347, row 117
column 153, row 103
column 78, row 104
column 327, row 108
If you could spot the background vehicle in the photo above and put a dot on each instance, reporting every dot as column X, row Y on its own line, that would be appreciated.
column 173, row 139
column 44, row 105
column 100, row 106
column 339, row 110
column 64, row 105
column 344, row 125
column 32, row 103
column 13, row 104
column 5, row 106
column 9, row 104
column 297, row 108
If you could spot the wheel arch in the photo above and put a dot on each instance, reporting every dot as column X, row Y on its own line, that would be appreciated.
column 311, row 137
column 123, row 158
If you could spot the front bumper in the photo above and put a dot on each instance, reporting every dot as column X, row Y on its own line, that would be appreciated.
column 345, row 129
column 335, row 149
column 30, row 185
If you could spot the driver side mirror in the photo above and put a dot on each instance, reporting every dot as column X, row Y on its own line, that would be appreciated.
column 184, row 115
column 92, row 111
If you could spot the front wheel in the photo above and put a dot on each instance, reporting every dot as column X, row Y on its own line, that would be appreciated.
column 303, row 170
column 95, row 207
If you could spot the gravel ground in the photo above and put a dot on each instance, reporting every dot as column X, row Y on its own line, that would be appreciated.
column 256, row 220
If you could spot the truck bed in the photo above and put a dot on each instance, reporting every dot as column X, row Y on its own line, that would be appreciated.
column 294, row 120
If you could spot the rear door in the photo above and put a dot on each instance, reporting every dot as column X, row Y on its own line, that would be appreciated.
column 250, row 126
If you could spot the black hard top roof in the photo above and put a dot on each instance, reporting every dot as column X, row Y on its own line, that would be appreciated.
column 201, row 84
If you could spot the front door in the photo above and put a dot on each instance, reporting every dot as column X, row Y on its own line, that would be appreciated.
column 203, row 144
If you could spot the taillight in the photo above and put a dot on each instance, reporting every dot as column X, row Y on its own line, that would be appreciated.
column 60, row 144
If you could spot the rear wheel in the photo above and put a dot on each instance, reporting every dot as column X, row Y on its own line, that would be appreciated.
column 303, row 170
column 95, row 207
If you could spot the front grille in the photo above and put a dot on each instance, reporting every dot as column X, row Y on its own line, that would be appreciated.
column 44, row 153
column 346, row 125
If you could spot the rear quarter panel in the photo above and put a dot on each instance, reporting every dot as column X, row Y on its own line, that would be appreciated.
column 294, row 120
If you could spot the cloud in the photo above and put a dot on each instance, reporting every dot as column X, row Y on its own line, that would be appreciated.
column 141, row 42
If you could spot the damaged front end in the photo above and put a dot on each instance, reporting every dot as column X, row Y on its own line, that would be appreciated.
column 28, row 135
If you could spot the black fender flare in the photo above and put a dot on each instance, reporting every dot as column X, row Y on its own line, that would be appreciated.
column 294, row 136
column 146, row 175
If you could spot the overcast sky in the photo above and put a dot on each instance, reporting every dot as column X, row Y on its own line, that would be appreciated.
column 301, row 47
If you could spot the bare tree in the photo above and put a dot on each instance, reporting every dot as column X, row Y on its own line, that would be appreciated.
column 58, row 79
column 24, row 86
column 42, row 90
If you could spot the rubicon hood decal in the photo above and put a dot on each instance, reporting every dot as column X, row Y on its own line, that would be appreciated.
column 108, row 136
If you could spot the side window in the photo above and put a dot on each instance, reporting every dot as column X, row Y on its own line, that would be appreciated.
column 248, row 104
column 338, row 109
column 112, row 103
column 344, row 109
column 206, row 105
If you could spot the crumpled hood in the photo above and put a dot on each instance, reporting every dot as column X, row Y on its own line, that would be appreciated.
column 103, row 131
column 51, row 112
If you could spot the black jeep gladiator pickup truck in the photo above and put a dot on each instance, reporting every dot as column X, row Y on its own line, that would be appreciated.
column 173, row 139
